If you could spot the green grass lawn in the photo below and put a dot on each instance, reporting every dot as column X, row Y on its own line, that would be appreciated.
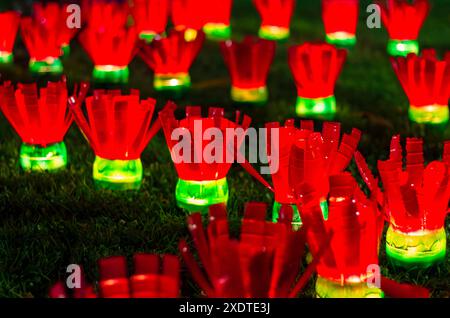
column 48, row 221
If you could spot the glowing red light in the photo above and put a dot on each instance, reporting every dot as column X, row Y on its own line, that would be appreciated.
column 316, row 68
column 404, row 19
column 118, row 127
column 217, row 11
column 186, row 14
column 39, row 116
column 275, row 13
column 263, row 263
column 340, row 16
column 150, row 16
column 9, row 23
column 248, row 61
column 173, row 54
column 199, row 165
column 107, row 38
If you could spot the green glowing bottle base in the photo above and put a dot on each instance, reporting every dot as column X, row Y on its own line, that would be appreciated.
column 111, row 74
column 37, row 158
column 117, row 174
column 341, row 39
column 418, row 249
column 326, row 288
column 197, row 196
column 296, row 220
column 434, row 114
column 273, row 33
column 255, row 96
column 402, row 47
column 49, row 66
column 172, row 85
column 318, row 108
column 217, row 31
column 147, row 36
column 6, row 57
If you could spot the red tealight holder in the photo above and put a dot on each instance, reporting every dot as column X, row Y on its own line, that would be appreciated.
column 248, row 63
column 276, row 18
column 55, row 16
column 340, row 18
column 188, row 15
column 109, row 42
column 217, row 15
column 171, row 58
column 403, row 21
column 41, row 118
column 306, row 157
column 264, row 263
column 118, row 128
column 9, row 23
column 426, row 82
column 355, row 225
column 416, row 202
column 316, row 68
column 150, row 17
column 202, row 166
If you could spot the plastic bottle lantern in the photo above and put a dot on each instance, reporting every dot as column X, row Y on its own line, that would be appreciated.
column 264, row 263
column 186, row 15
column 426, row 82
column 217, row 15
column 153, row 277
column 340, row 18
column 403, row 21
column 416, row 202
column 276, row 18
column 202, row 172
column 316, row 68
column 109, row 42
column 355, row 225
column 248, row 63
column 150, row 17
column 171, row 58
column 9, row 24
column 118, row 128
column 46, row 36
column 41, row 118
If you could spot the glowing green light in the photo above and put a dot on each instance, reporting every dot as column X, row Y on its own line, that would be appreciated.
column 50, row 65
column 37, row 158
column 433, row 114
column 402, row 47
column 110, row 74
column 326, row 288
column 197, row 196
column 147, row 36
column 323, row 108
column 416, row 249
column 217, row 31
column 117, row 174
column 258, row 95
column 174, row 85
column 324, row 208
column 273, row 33
column 65, row 48
column 6, row 57
column 341, row 39
column 296, row 220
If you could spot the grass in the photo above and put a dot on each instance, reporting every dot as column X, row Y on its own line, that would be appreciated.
column 49, row 221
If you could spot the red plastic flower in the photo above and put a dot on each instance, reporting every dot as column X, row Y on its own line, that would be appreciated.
column 404, row 19
column 416, row 198
column 40, row 117
column 150, row 16
column 9, row 23
column 264, row 263
column 340, row 16
column 107, row 38
column 248, row 62
column 173, row 54
column 425, row 79
column 118, row 127
column 275, row 13
column 316, row 68
column 200, row 163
